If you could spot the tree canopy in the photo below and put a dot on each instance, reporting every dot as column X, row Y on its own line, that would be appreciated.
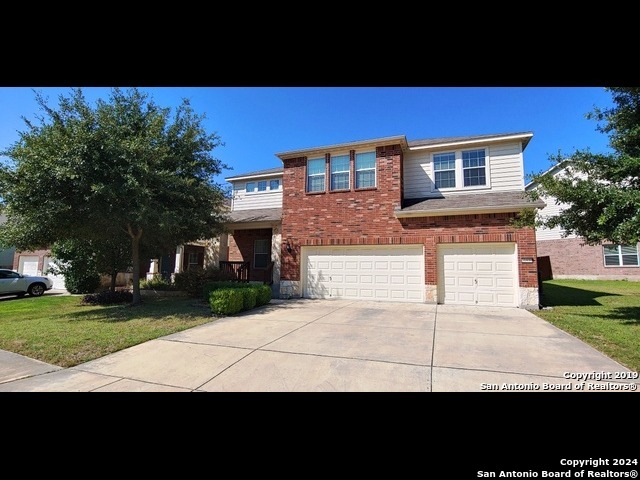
column 122, row 167
column 601, row 192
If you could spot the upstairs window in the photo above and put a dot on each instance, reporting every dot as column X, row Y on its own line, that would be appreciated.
column 315, row 175
column 474, row 168
column 366, row 170
column 620, row 255
column 340, row 172
column 444, row 165
column 251, row 186
column 274, row 184
column 262, row 186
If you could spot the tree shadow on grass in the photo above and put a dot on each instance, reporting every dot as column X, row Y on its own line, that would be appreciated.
column 626, row 315
column 556, row 295
column 157, row 309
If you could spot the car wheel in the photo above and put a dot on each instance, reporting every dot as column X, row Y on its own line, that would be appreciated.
column 36, row 289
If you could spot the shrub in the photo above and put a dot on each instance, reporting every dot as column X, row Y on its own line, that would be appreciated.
column 248, row 297
column 108, row 297
column 157, row 283
column 193, row 280
column 226, row 301
column 211, row 286
column 76, row 281
column 263, row 294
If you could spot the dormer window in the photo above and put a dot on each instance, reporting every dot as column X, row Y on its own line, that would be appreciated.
column 461, row 169
column 251, row 186
column 474, row 168
column 444, row 166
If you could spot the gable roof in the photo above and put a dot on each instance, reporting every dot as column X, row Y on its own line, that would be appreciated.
column 257, row 173
column 551, row 171
column 525, row 137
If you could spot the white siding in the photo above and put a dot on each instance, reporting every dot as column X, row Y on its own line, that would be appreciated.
column 255, row 200
column 418, row 176
column 505, row 172
column 506, row 164
column 550, row 210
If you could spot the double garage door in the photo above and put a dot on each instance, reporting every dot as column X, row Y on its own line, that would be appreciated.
column 393, row 273
column 468, row 274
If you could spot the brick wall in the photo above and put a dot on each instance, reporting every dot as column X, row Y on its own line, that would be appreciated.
column 241, row 245
column 568, row 257
column 35, row 253
column 366, row 217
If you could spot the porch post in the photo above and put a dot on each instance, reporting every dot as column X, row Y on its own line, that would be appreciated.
column 153, row 269
column 179, row 252
column 276, row 240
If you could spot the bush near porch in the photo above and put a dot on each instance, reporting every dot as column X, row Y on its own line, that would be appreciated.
column 229, row 298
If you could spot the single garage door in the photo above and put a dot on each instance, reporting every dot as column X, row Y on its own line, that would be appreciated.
column 477, row 274
column 28, row 265
column 384, row 273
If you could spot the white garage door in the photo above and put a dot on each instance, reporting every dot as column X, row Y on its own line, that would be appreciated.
column 28, row 265
column 58, row 280
column 393, row 273
column 477, row 274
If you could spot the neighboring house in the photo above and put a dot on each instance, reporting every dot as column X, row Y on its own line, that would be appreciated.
column 389, row 219
column 6, row 255
column 562, row 256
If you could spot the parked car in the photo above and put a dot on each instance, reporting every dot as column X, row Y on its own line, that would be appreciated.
column 14, row 283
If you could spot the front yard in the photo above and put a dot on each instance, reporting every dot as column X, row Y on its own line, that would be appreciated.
column 602, row 313
column 60, row 331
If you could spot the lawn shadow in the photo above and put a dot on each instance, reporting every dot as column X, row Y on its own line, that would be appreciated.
column 627, row 315
column 556, row 295
column 157, row 309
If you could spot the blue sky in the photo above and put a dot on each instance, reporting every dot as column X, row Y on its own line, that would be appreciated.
column 255, row 123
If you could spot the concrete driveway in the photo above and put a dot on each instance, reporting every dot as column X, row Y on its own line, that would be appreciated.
column 342, row 346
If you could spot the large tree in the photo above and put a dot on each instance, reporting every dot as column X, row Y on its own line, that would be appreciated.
column 121, row 167
column 601, row 191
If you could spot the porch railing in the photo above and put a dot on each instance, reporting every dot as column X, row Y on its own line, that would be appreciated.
column 239, row 269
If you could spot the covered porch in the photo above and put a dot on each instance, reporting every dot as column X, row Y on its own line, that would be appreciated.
column 253, row 246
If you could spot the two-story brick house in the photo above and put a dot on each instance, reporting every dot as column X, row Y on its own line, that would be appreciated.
column 389, row 219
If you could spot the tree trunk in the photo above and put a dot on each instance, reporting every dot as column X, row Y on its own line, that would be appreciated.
column 135, row 254
column 114, row 274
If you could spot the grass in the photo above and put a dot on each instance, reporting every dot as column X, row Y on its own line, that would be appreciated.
column 602, row 313
column 61, row 331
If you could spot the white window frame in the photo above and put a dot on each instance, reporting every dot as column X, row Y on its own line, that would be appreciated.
column 341, row 172
column 464, row 169
column 271, row 189
column 190, row 263
column 619, row 255
column 459, row 171
column 356, row 170
column 255, row 253
column 262, row 186
column 253, row 187
column 454, row 170
column 323, row 175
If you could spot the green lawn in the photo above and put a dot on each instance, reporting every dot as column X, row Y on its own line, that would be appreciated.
column 61, row 331
column 603, row 313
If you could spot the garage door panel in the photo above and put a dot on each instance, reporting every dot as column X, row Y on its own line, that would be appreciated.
column 381, row 273
column 477, row 274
